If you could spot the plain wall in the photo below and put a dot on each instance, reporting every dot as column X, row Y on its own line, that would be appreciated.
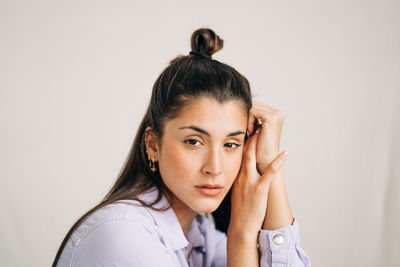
column 76, row 77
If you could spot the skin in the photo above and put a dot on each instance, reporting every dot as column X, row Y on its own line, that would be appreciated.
column 254, row 169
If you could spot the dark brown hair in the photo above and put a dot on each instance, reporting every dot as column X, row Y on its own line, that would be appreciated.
column 185, row 79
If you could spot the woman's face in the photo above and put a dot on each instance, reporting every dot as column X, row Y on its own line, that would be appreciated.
column 203, row 145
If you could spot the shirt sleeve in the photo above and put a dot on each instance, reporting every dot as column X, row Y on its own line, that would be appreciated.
column 121, row 243
column 280, row 247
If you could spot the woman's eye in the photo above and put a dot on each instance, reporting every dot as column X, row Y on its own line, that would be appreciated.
column 232, row 145
column 192, row 142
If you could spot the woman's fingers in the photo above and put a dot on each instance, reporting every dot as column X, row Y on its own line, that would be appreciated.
column 263, row 112
column 274, row 167
column 250, row 154
column 250, row 123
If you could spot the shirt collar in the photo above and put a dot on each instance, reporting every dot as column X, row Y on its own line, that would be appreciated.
column 166, row 220
column 170, row 226
column 196, row 233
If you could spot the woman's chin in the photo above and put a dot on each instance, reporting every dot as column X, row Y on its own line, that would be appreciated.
column 206, row 207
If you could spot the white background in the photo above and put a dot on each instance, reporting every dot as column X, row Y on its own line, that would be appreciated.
column 76, row 77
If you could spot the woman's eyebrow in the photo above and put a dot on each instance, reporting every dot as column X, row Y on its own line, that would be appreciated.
column 206, row 133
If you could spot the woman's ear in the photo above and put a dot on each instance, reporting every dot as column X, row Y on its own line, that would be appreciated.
column 151, row 141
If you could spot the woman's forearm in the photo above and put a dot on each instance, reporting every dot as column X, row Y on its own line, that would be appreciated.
column 242, row 250
column 278, row 213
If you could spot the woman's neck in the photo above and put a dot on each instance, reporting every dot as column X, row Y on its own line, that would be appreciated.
column 184, row 214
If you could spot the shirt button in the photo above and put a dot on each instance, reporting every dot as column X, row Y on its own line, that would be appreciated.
column 278, row 239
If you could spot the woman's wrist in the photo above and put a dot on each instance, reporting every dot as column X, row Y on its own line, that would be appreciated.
column 278, row 213
column 242, row 250
column 242, row 236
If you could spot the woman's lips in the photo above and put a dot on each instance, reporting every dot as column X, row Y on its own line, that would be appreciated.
column 209, row 190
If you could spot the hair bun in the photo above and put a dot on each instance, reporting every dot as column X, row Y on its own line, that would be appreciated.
column 205, row 41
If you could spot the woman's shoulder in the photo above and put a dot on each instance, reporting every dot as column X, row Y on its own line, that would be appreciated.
column 128, row 212
column 111, row 225
column 122, row 210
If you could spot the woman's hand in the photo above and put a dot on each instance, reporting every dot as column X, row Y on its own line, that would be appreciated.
column 250, row 193
column 270, row 135
column 278, row 211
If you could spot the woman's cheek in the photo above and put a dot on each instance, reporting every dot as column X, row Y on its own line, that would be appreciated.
column 179, row 161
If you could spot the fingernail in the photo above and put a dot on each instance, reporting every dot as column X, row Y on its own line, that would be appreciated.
column 285, row 153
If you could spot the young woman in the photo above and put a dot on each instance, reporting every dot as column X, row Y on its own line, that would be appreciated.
column 202, row 140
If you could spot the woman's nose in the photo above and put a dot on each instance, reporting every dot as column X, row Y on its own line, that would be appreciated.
column 212, row 165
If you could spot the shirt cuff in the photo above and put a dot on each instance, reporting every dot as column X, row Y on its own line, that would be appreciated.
column 279, row 239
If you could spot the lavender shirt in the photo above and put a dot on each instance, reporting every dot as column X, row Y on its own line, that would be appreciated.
column 125, row 233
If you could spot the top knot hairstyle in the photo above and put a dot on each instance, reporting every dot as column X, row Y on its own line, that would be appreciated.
column 185, row 79
column 205, row 42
